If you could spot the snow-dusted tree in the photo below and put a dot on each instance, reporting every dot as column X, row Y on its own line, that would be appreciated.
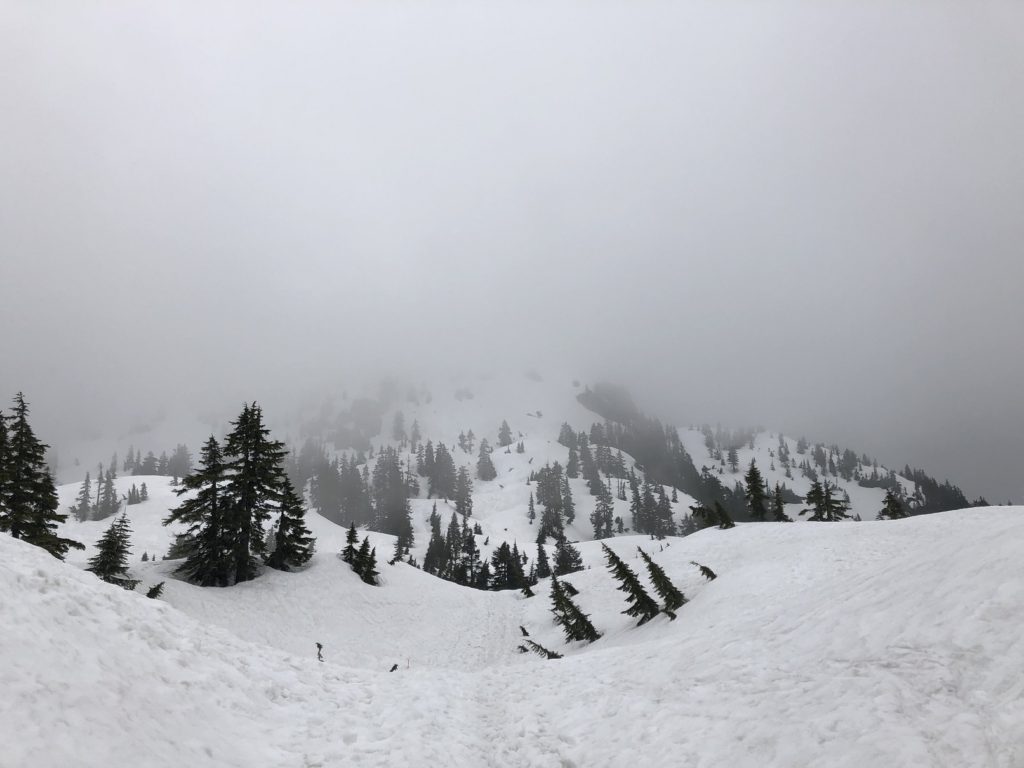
column 754, row 492
column 542, row 569
column 568, row 507
column 110, row 562
column 641, row 604
column 293, row 544
column 670, row 595
column 734, row 459
column 365, row 563
column 28, row 498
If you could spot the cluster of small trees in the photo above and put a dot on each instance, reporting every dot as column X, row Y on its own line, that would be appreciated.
column 237, row 490
column 106, row 502
column 361, row 557
column 28, row 496
column 178, row 464
column 137, row 495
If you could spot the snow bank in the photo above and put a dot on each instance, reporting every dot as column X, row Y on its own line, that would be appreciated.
column 884, row 643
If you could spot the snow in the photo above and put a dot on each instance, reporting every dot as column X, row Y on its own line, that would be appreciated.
column 877, row 643
column 890, row 643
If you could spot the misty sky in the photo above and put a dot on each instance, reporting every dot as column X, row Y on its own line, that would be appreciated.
column 804, row 216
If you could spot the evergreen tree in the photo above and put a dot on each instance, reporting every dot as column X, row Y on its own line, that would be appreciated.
column 143, row 493
column 602, row 516
column 567, row 558
column 662, row 524
column 540, row 650
column 484, row 466
column 82, row 509
column 543, row 569
column 572, row 467
column 724, row 521
column 667, row 591
column 892, row 507
column 504, row 435
column 434, row 559
column 155, row 591
column 531, row 510
column 641, row 606
column 365, row 563
column 779, row 506
column 464, row 493
column 206, row 545
column 569, row 617
column 755, row 492
column 293, row 543
column 734, row 459
column 568, row 507
column 110, row 562
column 254, row 488
column 28, row 498
column 348, row 554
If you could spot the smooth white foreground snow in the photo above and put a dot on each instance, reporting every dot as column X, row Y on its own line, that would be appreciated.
column 855, row 644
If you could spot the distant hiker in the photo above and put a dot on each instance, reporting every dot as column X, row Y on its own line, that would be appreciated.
column 319, row 652
column 393, row 668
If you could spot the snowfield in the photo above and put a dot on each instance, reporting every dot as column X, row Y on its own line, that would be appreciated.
column 855, row 644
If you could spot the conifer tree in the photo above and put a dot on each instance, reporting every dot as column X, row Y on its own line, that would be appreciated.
column 779, row 506
column 110, row 562
column 504, row 435
column 892, row 507
column 206, row 544
column 82, row 509
column 433, row 560
column 293, row 543
column 143, row 493
column 641, row 606
column 155, row 591
column 706, row 572
column 540, row 650
column 365, row 563
column 28, row 498
column 724, row 521
column 734, row 459
column 484, row 466
column 568, row 507
column 348, row 553
column 755, row 492
column 602, row 516
column 662, row 524
column 464, row 493
column 569, row 617
column 543, row 568
column 253, row 490
column 667, row 591
column 567, row 558
column 572, row 466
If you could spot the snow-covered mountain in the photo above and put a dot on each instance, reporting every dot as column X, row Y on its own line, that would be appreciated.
column 852, row 644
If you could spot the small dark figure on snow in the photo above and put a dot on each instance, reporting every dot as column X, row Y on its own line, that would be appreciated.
column 319, row 652
column 393, row 668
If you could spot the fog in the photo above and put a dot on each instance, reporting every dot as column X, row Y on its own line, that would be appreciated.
column 804, row 216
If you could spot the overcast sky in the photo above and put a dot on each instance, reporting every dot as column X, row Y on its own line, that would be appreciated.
column 805, row 216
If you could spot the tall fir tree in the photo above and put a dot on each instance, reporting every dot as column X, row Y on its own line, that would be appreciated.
column 724, row 521
column 755, row 492
column 602, row 517
column 207, row 542
column 641, row 604
column 28, row 498
column 543, row 568
column 293, row 543
column 779, row 506
column 464, row 493
column 670, row 595
column 82, row 509
column 567, row 558
column 254, row 488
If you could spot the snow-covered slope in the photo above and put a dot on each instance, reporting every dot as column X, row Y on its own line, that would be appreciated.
column 879, row 643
